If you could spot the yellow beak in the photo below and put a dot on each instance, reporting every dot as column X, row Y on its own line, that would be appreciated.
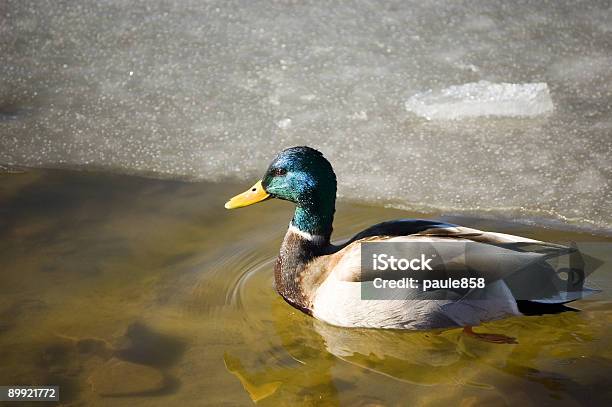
column 252, row 195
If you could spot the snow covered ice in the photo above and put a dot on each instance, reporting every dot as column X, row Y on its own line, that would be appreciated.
column 188, row 89
column 483, row 99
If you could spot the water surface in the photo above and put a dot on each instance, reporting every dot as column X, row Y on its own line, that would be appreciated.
column 133, row 291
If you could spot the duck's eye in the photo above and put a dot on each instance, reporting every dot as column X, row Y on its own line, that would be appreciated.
column 279, row 172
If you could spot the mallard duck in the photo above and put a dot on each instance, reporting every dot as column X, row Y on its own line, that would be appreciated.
column 324, row 280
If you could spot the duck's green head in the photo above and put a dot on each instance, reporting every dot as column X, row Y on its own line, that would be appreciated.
column 300, row 175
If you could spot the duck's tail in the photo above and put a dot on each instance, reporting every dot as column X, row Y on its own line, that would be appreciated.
column 527, row 307
column 564, row 283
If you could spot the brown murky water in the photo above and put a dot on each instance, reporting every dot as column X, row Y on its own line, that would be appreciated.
column 127, row 291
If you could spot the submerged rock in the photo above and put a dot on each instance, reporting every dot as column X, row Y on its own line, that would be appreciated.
column 94, row 346
column 142, row 344
column 121, row 378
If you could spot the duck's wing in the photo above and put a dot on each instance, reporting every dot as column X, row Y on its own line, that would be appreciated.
column 453, row 255
column 533, row 270
column 494, row 255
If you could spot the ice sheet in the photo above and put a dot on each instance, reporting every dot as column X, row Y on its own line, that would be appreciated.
column 204, row 90
column 483, row 98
